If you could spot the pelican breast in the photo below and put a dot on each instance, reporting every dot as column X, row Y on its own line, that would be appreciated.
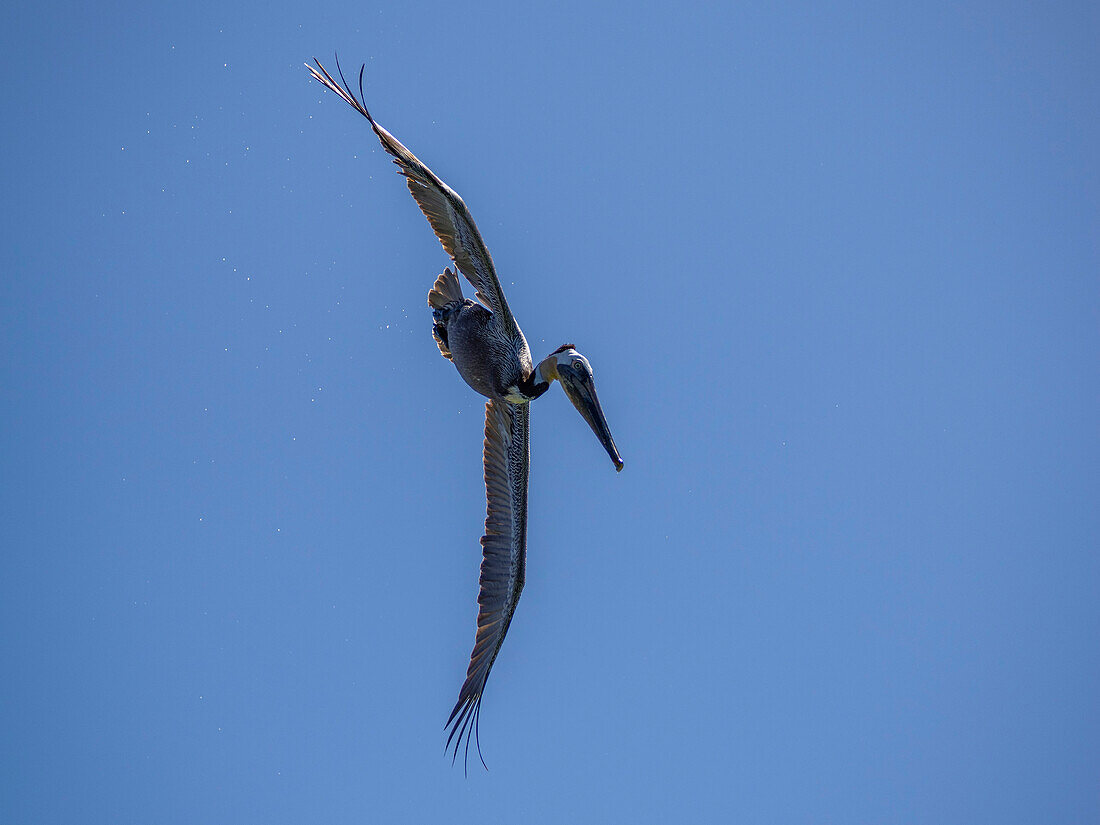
column 489, row 359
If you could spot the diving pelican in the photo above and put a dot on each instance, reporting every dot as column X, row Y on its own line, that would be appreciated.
column 485, row 344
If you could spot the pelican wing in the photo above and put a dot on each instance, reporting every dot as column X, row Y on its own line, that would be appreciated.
column 441, row 205
column 504, row 555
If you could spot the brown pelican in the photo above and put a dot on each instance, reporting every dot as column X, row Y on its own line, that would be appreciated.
column 487, row 347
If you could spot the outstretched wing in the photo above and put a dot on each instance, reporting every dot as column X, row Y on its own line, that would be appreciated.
column 441, row 205
column 507, row 440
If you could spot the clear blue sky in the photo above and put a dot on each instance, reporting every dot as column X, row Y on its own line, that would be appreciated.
column 836, row 268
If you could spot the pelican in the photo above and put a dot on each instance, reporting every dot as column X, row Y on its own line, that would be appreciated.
column 484, row 342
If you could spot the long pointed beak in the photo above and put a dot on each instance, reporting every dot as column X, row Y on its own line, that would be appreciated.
column 583, row 395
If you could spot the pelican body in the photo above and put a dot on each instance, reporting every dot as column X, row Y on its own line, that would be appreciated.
column 484, row 342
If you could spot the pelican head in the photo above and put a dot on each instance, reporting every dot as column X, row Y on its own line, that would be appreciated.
column 573, row 371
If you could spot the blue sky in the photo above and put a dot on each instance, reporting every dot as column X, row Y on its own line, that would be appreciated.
column 835, row 267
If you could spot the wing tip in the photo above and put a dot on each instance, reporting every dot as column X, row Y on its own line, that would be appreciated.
column 343, row 89
column 465, row 721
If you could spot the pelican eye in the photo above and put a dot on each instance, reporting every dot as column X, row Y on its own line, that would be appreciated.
column 579, row 366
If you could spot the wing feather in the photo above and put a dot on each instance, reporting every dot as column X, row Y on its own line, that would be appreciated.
column 449, row 218
column 504, row 556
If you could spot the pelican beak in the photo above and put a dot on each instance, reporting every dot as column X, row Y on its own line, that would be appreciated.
column 582, row 392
